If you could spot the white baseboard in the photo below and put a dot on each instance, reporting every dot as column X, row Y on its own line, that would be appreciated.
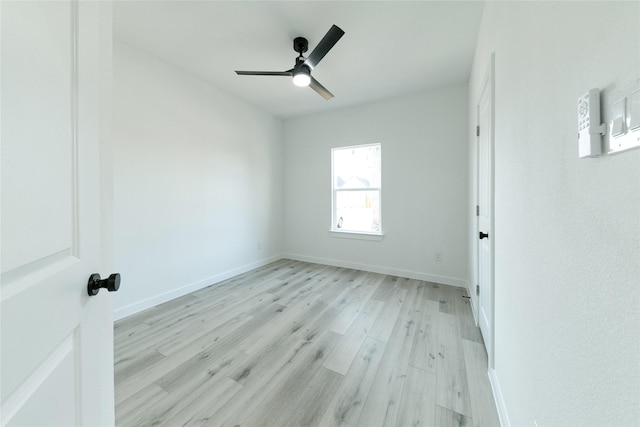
column 497, row 396
column 167, row 296
column 445, row 280
column 139, row 306
column 473, row 304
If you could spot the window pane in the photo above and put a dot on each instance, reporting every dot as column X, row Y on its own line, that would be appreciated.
column 358, row 210
column 357, row 167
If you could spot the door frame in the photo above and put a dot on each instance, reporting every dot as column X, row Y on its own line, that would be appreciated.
column 488, row 80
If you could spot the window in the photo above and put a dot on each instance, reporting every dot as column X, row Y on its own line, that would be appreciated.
column 356, row 185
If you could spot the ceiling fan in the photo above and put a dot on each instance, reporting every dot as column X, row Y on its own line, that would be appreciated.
column 301, row 72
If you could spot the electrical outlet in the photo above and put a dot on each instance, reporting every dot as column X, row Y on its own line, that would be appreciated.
column 259, row 245
column 438, row 257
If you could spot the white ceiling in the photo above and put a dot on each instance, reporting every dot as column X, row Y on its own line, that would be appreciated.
column 389, row 48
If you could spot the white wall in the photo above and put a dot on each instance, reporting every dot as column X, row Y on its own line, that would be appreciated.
column 197, row 182
column 424, row 185
column 567, row 235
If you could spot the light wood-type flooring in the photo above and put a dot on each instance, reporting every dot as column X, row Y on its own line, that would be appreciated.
column 300, row 344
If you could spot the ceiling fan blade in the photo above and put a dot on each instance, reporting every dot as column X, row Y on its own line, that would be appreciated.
column 264, row 73
column 325, row 45
column 315, row 85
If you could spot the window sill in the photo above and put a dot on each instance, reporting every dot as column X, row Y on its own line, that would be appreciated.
column 356, row 235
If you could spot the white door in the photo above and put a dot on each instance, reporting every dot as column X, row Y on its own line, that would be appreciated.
column 485, row 215
column 56, row 342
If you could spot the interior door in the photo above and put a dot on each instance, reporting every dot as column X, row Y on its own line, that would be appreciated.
column 56, row 342
column 485, row 215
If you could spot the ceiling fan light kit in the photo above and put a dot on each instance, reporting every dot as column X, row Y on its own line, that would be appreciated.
column 301, row 72
column 302, row 77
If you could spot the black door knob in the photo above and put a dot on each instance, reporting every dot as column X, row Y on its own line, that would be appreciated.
column 483, row 235
column 112, row 283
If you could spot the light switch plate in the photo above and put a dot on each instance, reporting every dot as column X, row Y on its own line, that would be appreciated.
column 634, row 110
column 619, row 124
column 622, row 113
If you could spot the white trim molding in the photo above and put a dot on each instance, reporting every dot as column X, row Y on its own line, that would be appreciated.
column 139, row 306
column 356, row 235
column 445, row 280
column 472, row 292
column 497, row 397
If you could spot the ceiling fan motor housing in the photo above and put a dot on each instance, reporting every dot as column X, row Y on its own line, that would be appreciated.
column 300, row 45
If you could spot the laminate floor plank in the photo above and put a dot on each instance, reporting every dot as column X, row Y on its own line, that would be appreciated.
column 362, row 289
column 375, row 280
column 202, row 405
column 175, row 310
column 128, row 330
column 312, row 275
column 213, row 335
column 287, row 291
column 334, row 287
column 289, row 321
column 324, row 319
column 342, row 356
column 160, row 328
column 304, row 407
column 381, row 407
column 283, row 404
column 294, row 269
column 223, row 298
column 314, row 400
column 481, row 397
column 301, row 288
column 425, row 342
column 402, row 282
column 271, row 385
column 381, row 329
column 174, row 326
column 249, row 284
column 412, row 306
column 452, row 390
column 126, row 367
column 444, row 295
column 230, row 318
column 448, row 418
column 139, row 405
column 386, row 288
column 417, row 407
column 295, row 343
column 201, row 368
column 229, row 340
column 259, row 375
column 462, row 308
column 259, row 274
column 175, row 405
column 346, row 406
column 151, row 315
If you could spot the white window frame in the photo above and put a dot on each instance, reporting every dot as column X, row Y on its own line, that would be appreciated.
column 353, row 234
